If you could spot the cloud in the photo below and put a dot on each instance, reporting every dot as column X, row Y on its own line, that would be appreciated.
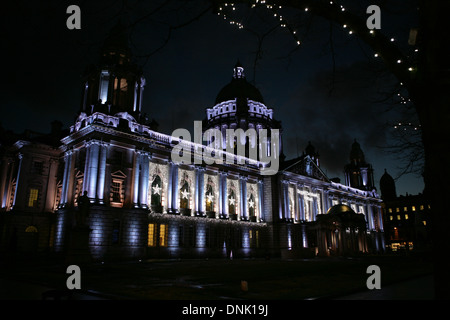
column 331, row 114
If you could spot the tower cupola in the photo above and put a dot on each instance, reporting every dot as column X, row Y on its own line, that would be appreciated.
column 116, row 84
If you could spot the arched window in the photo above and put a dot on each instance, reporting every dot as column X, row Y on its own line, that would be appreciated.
column 251, row 206
column 231, row 202
column 209, row 198
column 156, row 191
column 184, row 196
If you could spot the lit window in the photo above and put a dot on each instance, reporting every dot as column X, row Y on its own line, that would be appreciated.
column 424, row 223
column 32, row 199
column 123, row 84
column 116, row 196
column 151, row 235
column 405, row 209
column 390, row 210
column 398, row 217
column 413, row 208
column 421, row 207
column 163, row 235
column 397, row 209
column 391, row 218
column 429, row 207
column 406, row 217
column 116, row 191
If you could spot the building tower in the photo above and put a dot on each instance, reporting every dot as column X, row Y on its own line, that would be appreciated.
column 359, row 173
column 387, row 187
column 240, row 105
column 115, row 85
column 310, row 150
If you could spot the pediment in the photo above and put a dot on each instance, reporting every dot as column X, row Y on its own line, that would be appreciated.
column 118, row 174
column 307, row 167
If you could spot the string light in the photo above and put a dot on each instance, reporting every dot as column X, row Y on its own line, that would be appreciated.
column 269, row 6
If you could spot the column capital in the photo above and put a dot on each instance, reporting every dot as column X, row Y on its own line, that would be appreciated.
column 143, row 152
column 200, row 168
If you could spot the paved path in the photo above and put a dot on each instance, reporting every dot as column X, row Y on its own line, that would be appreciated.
column 12, row 289
column 406, row 290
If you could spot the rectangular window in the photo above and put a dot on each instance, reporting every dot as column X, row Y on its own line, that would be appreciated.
column 397, row 209
column 391, row 218
column 413, row 208
column 38, row 167
column 421, row 207
column 406, row 217
column 32, row 199
column 163, row 231
column 405, row 209
column 151, row 235
column 390, row 210
column 398, row 217
column 116, row 191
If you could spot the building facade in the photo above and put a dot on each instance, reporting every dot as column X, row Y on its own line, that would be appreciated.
column 407, row 218
column 144, row 204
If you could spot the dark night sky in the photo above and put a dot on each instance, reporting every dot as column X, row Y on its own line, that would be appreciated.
column 44, row 63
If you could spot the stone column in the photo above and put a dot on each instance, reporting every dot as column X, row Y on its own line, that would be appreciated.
column 144, row 180
column 301, row 205
column 286, row 200
column 260, row 200
column 296, row 206
column 175, row 204
column 169, row 186
column 315, row 208
column 51, row 186
column 101, row 174
column 224, row 196
column 18, row 179
column 136, row 174
column 93, row 170
column 243, row 189
column 197, row 192
column 67, row 157
column 201, row 190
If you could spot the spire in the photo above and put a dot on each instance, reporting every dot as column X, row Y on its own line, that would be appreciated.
column 116, row 43
column 356, row 154
column 387, row 187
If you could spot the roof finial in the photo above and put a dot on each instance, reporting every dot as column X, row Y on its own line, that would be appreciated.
column 238, row 71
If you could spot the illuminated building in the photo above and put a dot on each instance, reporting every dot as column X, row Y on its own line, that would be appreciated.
column 407, row 218
column 145, row 205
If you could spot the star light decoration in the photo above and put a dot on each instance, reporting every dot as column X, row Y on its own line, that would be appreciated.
column 251, row 204
column 156, row 189
column 228, row 8
column 210, row 197
column 232, row 201
column 185, row 194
